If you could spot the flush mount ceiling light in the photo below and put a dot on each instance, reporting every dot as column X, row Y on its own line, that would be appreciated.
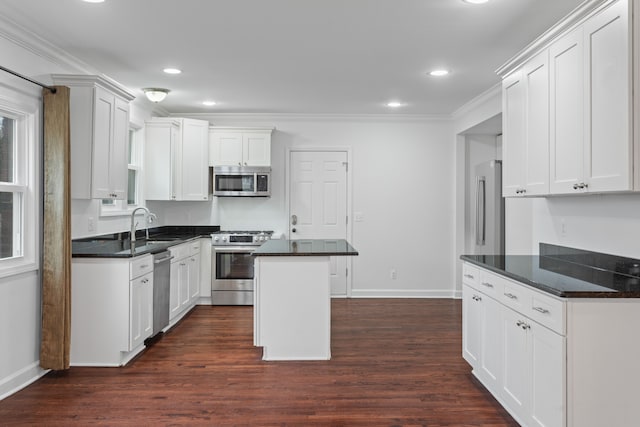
column 155, row 94
column 439, row 73
column 172, row 70
column 209, row 103
column 394, row 104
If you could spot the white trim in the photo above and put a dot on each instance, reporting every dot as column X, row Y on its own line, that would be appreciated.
column 287, row 183
column 273, row 117
column 478, row 101
column 404, row 293
column 21, row 379
column 573, row 19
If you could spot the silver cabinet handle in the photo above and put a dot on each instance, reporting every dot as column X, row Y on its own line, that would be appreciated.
column 523, row 325
column 469, row 276
column 476, row 298
column 144, row 266
column 541, row 310
column 509, row 295
column 487, row 284
column 145, row 280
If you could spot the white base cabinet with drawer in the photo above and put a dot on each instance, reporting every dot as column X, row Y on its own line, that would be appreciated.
column 184, row 282
column 111, row 309
column 552, row 361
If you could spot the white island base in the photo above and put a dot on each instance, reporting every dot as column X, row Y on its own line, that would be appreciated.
column 292, row 307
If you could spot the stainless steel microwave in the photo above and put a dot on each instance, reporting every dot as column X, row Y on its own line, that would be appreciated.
column 241, row 181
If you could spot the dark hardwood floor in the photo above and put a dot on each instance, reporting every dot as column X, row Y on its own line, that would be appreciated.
column 395, row 362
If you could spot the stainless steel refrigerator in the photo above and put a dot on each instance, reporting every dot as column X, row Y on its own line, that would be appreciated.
column 489, row 209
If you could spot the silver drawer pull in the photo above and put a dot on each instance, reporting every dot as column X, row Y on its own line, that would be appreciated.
column 509, row 295
column 144, row 266
column 469, row 276
column 487, row 284
column 541, row 310
column 476, row 298
column 145, row 280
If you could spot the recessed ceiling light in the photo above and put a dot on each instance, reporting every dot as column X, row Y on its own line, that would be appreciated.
column 475, row 1
column 93, row 1
column 394, row 104
column 209, row 103
column 438, row 73
column 172, row 71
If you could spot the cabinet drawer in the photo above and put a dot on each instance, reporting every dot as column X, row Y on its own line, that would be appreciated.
column 194, row 247
column 491, row 284
column 547, row 311
column 141, row 265
column 516, row 296
column 180, row 251
column 470, row 275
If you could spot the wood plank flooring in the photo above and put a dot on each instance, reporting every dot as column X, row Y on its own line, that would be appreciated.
column 395, row 362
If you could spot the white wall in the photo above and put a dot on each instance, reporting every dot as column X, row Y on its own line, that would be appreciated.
column 403, row 184
column 602, row 223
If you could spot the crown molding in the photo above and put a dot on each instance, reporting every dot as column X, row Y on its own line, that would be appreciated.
column 572, row 20
column 40, row 47
column 495, row 90
column 85, row 80
column 316, row 117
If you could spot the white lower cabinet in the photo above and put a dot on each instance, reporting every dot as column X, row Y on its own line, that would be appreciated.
column 111, row 310
column 551, row 361
column 184, row 282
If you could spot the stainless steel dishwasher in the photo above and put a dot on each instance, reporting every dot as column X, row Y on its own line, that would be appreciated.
column 161, row 272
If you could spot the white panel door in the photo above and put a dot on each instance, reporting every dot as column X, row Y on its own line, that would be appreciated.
column 226, row 149
column 608, row 151
column 471, row 324
column 536, row 81
column 318, row 203
column 195, row 160
column 491, row 358
column 567, row 113
column 513, row 140
column 515, row 374
column 548, row 377
column 256, row 148
column 102, row 144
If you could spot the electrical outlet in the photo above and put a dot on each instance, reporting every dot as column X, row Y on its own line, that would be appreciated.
column 91, row 225
column 563, row 228
column 393, row 274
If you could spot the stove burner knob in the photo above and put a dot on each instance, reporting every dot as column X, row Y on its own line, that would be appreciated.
column 261, row 238
column 216, row 238
column 224, row 239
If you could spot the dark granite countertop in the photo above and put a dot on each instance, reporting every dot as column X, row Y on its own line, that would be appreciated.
column 568, row 272
column 118, row 245
column 315, row 247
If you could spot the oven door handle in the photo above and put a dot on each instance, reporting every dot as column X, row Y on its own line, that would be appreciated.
column 234, row 248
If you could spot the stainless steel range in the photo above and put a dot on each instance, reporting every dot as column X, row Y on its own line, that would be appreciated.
column 232, row 265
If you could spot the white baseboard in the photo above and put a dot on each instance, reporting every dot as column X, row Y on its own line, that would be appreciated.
column 403, row 293
column 20, row 379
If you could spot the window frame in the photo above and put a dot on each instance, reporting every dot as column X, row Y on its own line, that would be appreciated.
column 27, row 169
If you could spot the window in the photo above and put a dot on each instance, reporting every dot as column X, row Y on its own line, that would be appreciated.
column 111, row 207
column 18, row 191
column 11, row 191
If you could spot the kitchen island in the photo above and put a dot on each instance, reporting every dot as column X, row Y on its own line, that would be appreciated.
column 292, row 297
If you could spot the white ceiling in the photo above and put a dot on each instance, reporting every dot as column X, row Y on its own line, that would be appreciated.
column 295, row 56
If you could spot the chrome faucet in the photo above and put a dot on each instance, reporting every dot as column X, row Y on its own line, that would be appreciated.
column 147, row 215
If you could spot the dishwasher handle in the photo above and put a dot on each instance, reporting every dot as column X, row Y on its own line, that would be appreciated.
column 161, row 260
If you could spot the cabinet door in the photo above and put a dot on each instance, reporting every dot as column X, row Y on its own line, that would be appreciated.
column 118, row 160
column 491, row 356
column 140, row 310
column 471, row 325
column 159, row 163
column 174, row 289
column 225, row 149
column 567, row 113
column 548, row 377
column 515, row 373
column 195, row 160
column 183, row 265
column 194, row 278
column 103, row 118
column 256, row 149
column 536, row 82
column 608, row 148
column 513, row 135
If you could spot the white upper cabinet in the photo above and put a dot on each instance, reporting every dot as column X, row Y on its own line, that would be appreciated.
column 176, row 159
column 239, row 146
column 525, row 101
column 99, row 136
column 582, row 99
